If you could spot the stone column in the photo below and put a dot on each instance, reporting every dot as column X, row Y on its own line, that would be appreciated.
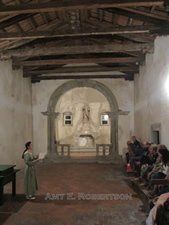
column 113, row 116
column 51, row 129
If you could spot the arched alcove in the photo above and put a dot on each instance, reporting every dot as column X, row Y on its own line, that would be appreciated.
column 81, row 83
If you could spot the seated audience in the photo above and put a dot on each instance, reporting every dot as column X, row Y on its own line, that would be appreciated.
column 139, row 158
column 136, row 156
column 156, row 167
column 130, row 153
column 146, row 163
column 164, row 154
column 136, row 142
column 152, row 162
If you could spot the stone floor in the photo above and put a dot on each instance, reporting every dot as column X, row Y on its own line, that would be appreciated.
column 75, row 183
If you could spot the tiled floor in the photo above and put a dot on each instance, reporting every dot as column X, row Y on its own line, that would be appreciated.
column 76, row 184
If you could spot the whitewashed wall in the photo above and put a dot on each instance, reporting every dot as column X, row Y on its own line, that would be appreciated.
column 15, row 114
column 41, row 93
column 152, row 93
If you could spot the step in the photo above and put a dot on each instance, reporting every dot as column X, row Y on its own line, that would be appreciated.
column 82, row 150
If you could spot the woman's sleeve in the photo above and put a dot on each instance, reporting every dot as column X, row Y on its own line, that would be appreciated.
column 28, row 160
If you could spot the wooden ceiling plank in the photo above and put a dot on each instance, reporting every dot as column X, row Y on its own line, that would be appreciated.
column 73, row 5
column 32, row 23
column 149, row 14
column 18, row 42
column 44, row 18
column 19, row 27
column 134, row 15
column 82, row 15
column 101, row 15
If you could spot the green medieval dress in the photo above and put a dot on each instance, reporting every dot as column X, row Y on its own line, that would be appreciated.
column 30, row 181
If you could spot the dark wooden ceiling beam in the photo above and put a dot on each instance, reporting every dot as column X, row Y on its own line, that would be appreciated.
column 78, row 60
column 69, row 50
column 85, row 69
column 74, row 4
column 79, row 32
column 61, row 77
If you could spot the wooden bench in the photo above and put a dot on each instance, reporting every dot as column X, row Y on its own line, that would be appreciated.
column 159, row 181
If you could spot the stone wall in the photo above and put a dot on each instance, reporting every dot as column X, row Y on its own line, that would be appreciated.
column 15, row 114
column 152, row 93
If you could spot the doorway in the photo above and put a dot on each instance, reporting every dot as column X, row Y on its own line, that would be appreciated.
column 156, row 133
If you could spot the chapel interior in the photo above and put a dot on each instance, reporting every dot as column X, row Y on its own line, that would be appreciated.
column 78, row 79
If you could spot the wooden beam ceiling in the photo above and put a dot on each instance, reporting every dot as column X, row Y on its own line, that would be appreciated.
column 73, row 5
column 72, row 50
column 77, row 61
column 61, row 77
column 110, row 41
column 85, row 69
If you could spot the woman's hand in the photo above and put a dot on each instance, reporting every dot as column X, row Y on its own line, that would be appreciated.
column 38, row 159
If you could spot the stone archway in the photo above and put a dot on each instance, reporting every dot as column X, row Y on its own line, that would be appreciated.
column 77, row 84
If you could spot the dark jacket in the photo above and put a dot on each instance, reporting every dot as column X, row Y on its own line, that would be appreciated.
column 137, row 144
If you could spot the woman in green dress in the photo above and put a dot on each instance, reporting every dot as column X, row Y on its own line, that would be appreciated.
column 30, row 181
